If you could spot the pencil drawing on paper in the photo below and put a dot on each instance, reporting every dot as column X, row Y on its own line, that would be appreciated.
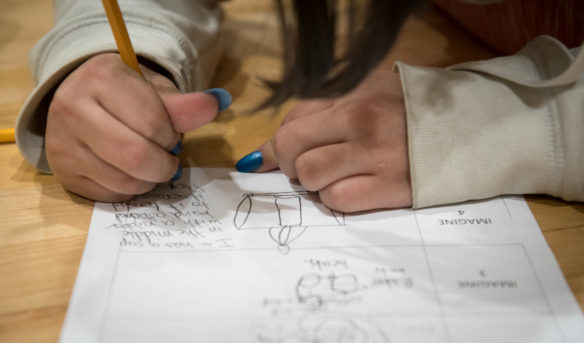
column 281, row 214
column 327, row 328
column 317, row 290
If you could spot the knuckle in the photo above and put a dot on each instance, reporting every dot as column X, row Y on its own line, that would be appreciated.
column 279, row 141
column 284, row 142
column 308, row 107
column 353, row 114
column 146, row 188
column 360, row 116
column 80, row 186
column 61, row 104
column 78, row 190
column 135, row 159
column 295, row 113
column 100, row 61
column 98, row 69
column 92, row 69
column 64, row 179
column 153, row 125
column 282, row 148
column 336, row 197
column 130, row 185
column 364, row 126
column 307, row 168
column 76, row 185
column 55, row 150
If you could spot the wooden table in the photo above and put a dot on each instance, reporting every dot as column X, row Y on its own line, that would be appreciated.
column 43, row 228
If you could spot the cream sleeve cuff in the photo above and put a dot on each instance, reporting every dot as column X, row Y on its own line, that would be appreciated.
column 478, row 130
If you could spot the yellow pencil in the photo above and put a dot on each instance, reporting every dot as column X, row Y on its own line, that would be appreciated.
column 6, row 135
column 116, row 21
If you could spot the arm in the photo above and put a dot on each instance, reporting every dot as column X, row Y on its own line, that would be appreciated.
column 510, row 125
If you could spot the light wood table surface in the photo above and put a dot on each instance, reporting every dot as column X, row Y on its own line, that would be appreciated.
column 43, row 228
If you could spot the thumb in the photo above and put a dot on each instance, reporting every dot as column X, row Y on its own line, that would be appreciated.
column 192, row 110
column 261, row 160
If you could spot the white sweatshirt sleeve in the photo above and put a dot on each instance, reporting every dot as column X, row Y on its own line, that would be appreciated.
column 510, row 125
column 181, row 36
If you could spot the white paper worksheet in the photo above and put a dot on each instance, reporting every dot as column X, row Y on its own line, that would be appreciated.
column 221, row 256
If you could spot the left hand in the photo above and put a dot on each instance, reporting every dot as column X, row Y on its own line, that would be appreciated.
column 352, row 149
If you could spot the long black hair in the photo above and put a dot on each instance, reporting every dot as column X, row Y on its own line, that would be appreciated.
column 311, row 38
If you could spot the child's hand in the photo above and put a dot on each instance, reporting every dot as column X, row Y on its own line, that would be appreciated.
column 352, row 150
column 109, row 132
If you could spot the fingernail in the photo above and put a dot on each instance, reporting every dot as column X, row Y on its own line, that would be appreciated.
column 223, row 97
column 177, row 149
column 178, row 173
column 250, row 163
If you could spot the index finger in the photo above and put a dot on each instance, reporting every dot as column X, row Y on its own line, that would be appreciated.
column 261, row 160
column 265, row 158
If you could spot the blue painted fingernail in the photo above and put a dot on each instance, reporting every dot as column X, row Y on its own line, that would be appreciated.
column 178, row 174
column 177, row 149
column 250, row 163
column 223, row 97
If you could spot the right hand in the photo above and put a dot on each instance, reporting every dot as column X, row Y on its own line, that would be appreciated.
column 109, row 131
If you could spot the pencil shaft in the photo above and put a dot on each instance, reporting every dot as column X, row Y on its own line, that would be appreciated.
column 6, row 135
column 116, row 21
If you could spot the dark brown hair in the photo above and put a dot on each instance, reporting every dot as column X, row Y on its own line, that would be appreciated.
column 310, row 38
